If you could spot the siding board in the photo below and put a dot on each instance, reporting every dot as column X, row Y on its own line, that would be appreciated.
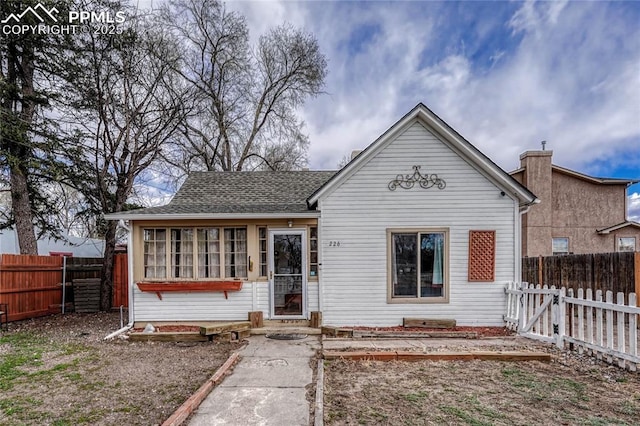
column 359, row 212
column 209, row 306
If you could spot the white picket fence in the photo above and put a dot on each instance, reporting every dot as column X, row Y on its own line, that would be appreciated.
column 599, row 326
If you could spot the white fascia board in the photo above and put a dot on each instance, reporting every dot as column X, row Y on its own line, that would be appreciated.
column 364, row 156
column 592, row 179
column 195, row 216
column 610, row 229
column 465, row 150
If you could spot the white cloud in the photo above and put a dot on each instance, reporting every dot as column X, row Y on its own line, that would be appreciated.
column 567, row 73
column 634, row 207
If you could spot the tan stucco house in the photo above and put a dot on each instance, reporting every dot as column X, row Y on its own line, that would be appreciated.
column 577, row 213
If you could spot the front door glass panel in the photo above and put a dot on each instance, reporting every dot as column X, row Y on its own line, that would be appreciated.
column 287, row 275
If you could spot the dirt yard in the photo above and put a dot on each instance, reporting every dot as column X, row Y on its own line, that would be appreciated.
column 571, row 390
column 59, row 371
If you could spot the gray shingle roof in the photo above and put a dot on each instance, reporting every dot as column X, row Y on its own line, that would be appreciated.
column 243, row 192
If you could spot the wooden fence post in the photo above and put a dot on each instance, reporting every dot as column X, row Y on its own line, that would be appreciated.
column 540, row 270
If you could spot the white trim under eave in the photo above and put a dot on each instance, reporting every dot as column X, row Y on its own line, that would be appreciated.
column 188, row 216
column 477, row 158
column 610, row 229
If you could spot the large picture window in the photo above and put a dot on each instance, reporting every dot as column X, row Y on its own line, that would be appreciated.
column 195, row 253
column 418, row 265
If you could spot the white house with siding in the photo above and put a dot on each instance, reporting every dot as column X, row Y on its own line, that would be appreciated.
column 420, row 224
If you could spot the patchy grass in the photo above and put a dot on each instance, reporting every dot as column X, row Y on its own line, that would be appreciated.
column 480, row 393
column 59, row 371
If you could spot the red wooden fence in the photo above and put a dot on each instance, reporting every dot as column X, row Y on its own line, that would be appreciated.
column 120, row 280
column 32, row 285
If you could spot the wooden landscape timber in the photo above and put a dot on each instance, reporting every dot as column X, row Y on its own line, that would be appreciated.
column 428, row 323
column 336, row 331
column 415, row 334
column 257, row 319
column 174, row 336
column 220, row 328
column 316, row 319
column 187, row 408
column 436, row 356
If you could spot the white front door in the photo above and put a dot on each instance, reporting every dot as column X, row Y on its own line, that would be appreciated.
column 287, row 273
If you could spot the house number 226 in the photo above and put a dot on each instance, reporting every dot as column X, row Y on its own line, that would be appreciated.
column 334, row 243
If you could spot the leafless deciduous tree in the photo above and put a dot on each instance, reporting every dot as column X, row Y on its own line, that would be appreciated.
column 130, row 103
column 244, row 98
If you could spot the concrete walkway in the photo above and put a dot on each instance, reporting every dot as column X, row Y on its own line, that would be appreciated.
column 267, row 386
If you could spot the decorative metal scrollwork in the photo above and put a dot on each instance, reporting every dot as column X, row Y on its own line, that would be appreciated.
column 409, row 181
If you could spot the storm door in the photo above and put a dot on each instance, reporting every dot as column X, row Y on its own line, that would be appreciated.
column 287, row 276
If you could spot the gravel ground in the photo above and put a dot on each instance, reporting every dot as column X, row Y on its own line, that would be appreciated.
column 571, row 390
column 58, row 370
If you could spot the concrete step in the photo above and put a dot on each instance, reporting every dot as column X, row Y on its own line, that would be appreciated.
column 285, row 330
column 286, row 323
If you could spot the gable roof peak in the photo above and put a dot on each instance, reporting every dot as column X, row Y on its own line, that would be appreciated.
column 446, row 134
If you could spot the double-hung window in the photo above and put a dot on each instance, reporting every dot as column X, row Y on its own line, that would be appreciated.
column 195, row 253
column 182, row 253
column 208, row 253
column 155, row 253
column 235, row 252
column 418, row 265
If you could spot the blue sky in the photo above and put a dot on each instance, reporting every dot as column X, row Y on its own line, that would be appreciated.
column 506, row 75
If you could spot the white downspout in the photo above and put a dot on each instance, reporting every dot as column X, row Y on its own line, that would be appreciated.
column 319, row 242
column 517, row 232
column 127, row 327
column 518, row 240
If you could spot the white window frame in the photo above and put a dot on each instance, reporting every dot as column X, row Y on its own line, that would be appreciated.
column 304, row 267
column 316, row 264
column 623, row 237
column 560, row 253
column 391, row 299
column 154, row 243
column 169, row 261
column 263, row 243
